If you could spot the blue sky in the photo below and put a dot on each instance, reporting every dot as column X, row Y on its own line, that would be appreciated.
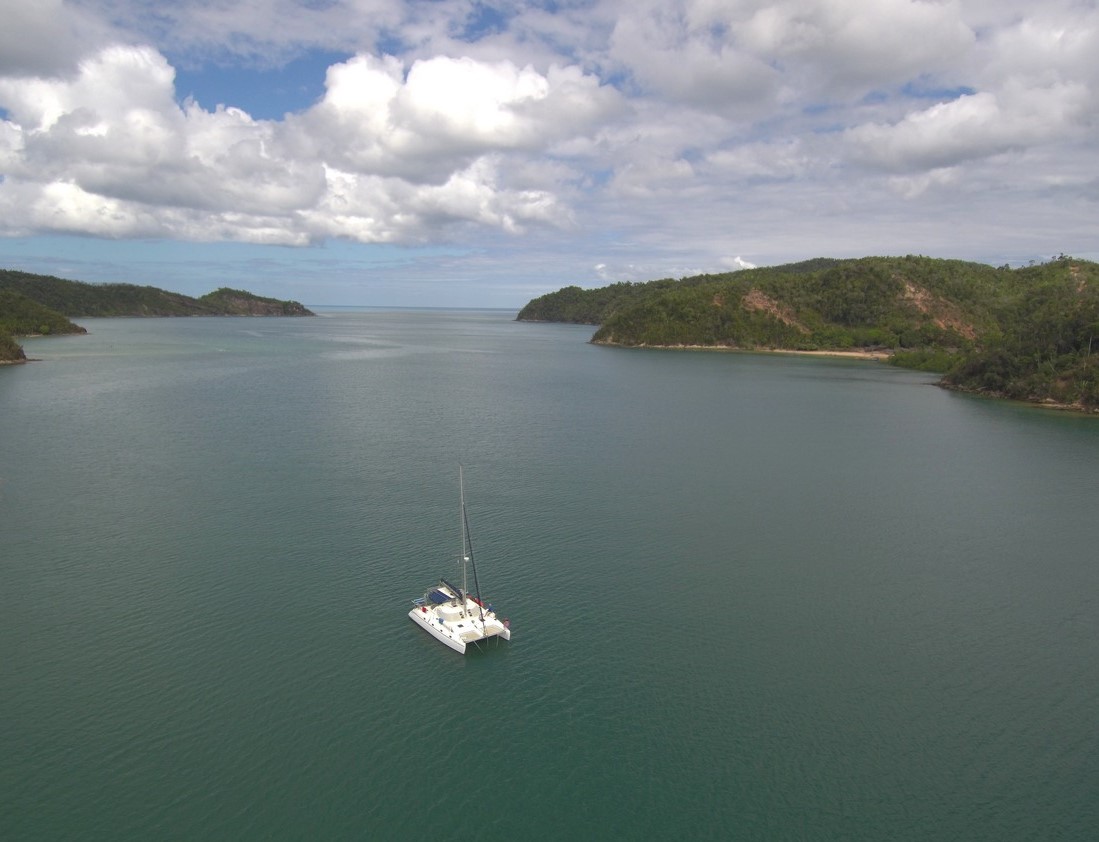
column 456, row 153
column 266, row 93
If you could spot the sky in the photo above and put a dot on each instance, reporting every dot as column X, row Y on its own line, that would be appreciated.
column 478, row 154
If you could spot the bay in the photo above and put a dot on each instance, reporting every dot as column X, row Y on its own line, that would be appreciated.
column 751, row 596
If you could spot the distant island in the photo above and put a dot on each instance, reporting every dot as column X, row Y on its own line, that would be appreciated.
column 1024, row 334
column 34, row 305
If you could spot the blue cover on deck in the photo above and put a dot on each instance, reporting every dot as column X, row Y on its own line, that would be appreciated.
column 438, row 597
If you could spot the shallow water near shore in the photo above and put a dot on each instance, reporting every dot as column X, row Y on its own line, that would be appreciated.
column 758, row 597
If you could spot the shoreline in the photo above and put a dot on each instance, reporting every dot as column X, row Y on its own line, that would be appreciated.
column 872, row 356
column 1037, row 403
column 876, row 356
column 869, row 356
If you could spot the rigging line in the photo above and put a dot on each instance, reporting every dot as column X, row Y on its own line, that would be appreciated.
column 468, row 541
column 473, row 563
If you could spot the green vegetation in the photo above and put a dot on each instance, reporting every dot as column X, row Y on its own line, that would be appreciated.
column 22, row 316
column 589, row 306
column 42, row 304
column 1029, row 334
column 76, row 299
column 10, row 350
column 1048, row 346
column 237, row 302
column 871, row 303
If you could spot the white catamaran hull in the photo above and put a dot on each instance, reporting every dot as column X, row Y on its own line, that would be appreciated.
column 449, row 624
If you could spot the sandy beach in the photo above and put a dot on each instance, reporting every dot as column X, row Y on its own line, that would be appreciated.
column 854, row 355
column 876, row 356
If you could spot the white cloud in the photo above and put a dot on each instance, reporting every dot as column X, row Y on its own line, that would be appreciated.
column 374, row 209
column 389, row 154
column 737, row 263
column 973, row 126
column 115, row 82
column 444, row 114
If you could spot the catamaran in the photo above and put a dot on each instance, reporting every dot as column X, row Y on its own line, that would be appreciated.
column 453, row 615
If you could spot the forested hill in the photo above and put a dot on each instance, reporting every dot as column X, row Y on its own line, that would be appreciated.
column 1030, row 333
column 594, row 306
column 76, row 298
column 42, row 304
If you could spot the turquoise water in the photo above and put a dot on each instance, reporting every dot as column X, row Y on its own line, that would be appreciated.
column 752, row 597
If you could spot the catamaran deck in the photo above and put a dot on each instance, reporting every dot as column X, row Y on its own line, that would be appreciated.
column 456, row 619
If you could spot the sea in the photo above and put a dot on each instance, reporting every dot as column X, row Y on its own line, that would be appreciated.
column 751, row 596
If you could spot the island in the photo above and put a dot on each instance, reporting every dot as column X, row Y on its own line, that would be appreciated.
column 35, row 305
column 1025, row 333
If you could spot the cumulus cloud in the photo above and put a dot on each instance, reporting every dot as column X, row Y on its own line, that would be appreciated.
column 973, row 126
column 444, row 113
column 390, row 154
column 110, row 152
column 737, row 263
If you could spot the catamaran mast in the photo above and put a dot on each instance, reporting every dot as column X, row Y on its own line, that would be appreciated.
column 467, row 544
column 463, row 557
